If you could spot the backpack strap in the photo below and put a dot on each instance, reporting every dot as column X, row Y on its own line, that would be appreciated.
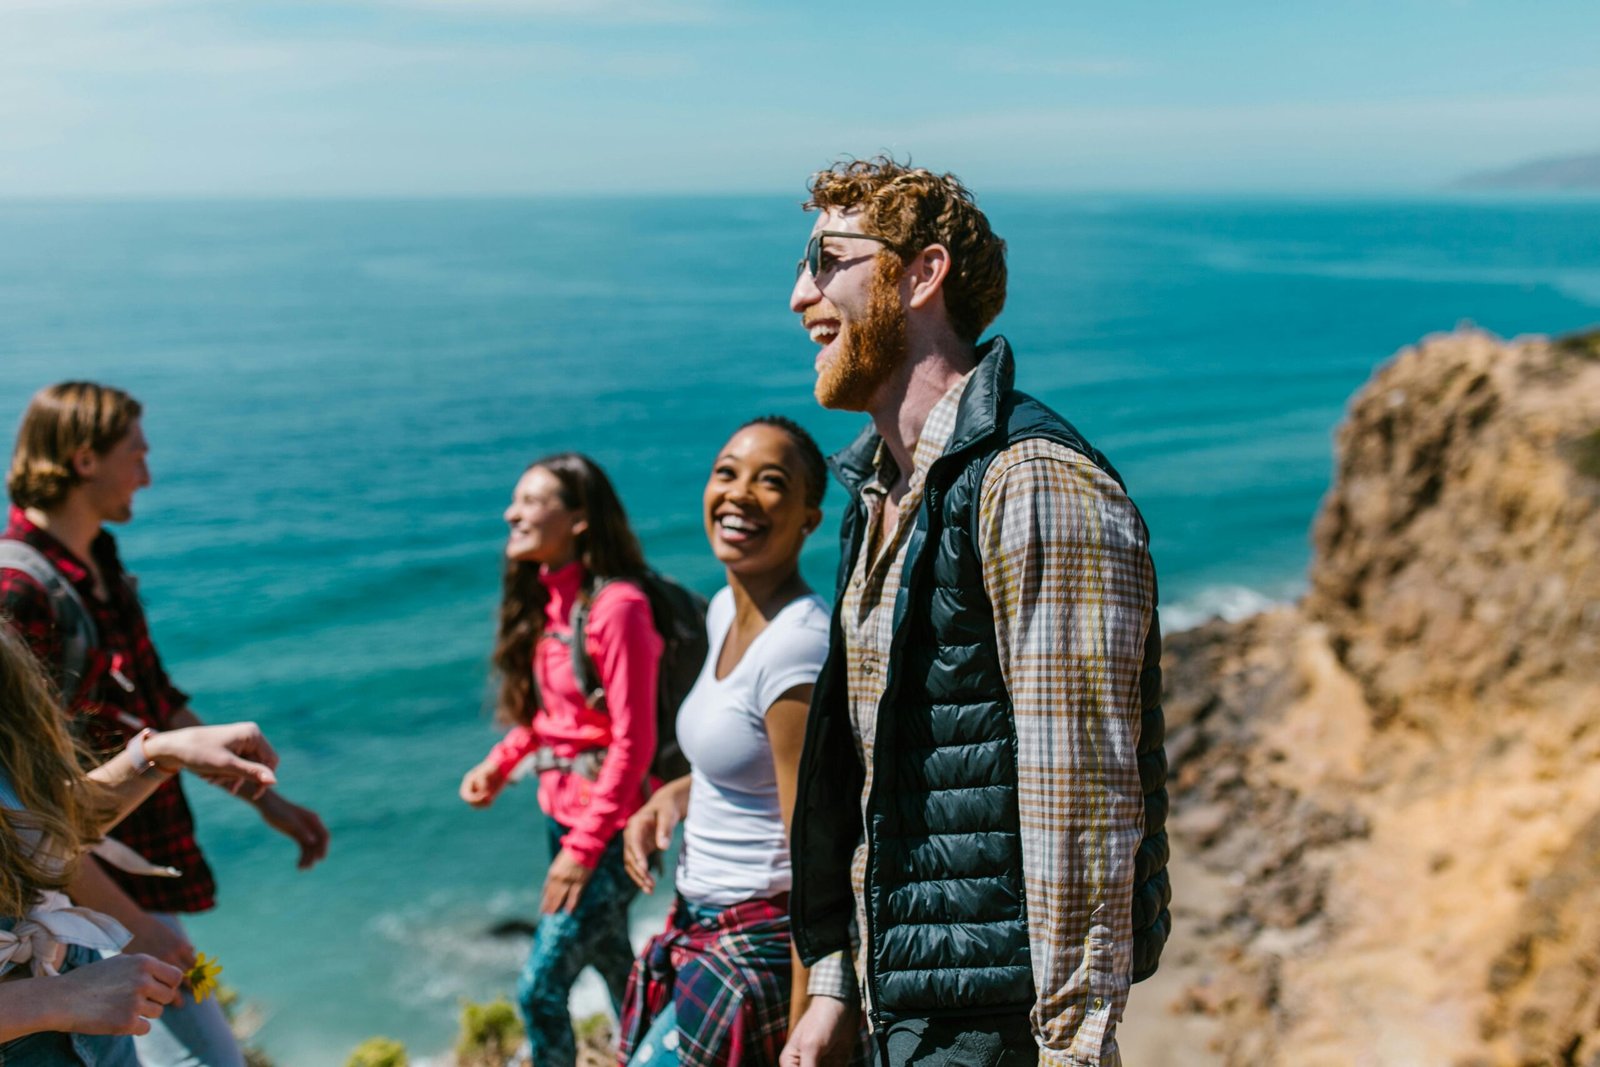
column 587, row 678
column 584, row 672
column 78, row 633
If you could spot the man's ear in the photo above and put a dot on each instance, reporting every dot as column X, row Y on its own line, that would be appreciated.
column 925, row 275
column 83, row 462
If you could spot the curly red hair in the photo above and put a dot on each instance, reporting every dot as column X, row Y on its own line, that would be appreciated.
column 912, row 208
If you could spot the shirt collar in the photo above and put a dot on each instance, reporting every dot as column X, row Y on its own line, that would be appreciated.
column 21, row 528
column 563, row 584
column 936, row 432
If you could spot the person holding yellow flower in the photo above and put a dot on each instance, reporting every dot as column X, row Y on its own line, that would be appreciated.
column 60, row 1003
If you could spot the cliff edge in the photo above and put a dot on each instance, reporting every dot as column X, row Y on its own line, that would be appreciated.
column 1397, row 781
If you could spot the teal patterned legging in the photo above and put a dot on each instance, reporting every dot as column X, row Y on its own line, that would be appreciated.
column 594, row 934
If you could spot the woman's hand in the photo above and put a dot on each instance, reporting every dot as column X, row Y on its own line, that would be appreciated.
column 563, row 886
column 115, row 996
column 482, row 784
column 650, row 831
column 234, row 755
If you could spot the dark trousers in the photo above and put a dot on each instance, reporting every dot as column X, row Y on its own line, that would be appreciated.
column 990, row 1041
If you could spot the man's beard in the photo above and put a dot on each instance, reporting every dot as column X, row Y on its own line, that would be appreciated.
column 871, row 350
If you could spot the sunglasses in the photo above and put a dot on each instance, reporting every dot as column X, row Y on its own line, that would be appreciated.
column 811, row 262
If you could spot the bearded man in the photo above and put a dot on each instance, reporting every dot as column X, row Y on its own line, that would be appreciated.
column 981, row 802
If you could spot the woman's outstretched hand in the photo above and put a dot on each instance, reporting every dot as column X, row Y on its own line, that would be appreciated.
column 650, row 831
column 234, row 755
column 482, row 784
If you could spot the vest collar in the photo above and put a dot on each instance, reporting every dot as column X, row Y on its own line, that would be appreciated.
column 976, row 418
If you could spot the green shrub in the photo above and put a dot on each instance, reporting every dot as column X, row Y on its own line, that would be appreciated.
column 596, row 1042
column 378, row 1052
column 1584, row 345
column 490, row 1033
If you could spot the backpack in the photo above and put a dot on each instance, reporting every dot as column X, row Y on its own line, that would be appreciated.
column 680, row 618
column 78, row 633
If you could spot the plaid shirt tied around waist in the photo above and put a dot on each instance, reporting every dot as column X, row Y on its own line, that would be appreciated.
column 730, row 981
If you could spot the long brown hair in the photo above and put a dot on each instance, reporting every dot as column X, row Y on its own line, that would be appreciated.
column 607, row 548
column 39, row 846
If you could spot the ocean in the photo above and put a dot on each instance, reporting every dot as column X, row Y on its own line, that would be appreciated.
column 339, row 396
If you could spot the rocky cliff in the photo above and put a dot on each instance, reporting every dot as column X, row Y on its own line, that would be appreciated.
column 1394, row 787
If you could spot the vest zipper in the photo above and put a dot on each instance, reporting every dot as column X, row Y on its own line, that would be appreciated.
column 914, row 566
column 874, row 999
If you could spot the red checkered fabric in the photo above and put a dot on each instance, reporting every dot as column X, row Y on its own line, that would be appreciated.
column 729, row 980
column 124, row 689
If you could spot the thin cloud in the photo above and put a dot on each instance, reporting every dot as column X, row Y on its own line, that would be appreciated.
column 1415, row 143
column 46, row 46
column 1006, row 63
column 633, row 12
column 1266, row 119
column 10, row 8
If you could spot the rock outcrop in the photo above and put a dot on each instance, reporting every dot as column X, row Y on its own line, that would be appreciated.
column 1398, row 780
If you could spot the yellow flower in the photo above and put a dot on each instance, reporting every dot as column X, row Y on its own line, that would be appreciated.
column 202, row 977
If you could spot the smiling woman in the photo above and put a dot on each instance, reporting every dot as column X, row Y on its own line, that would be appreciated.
column 568, row 542
column 721, row 984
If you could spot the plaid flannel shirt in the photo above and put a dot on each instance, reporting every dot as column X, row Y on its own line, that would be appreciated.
column 729, row 980
column 1068, row 572
column 125, row 688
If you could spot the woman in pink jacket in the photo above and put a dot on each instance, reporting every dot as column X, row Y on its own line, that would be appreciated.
column 569, row 543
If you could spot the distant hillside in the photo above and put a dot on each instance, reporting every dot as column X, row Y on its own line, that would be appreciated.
column 1570, row 172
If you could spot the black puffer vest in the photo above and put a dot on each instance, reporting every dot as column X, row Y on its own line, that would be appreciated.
column 946, row 907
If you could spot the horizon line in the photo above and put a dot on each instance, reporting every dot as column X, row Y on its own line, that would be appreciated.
column 1449, row 192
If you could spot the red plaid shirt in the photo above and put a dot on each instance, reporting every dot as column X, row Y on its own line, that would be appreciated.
column 124, row 689
column 729, row 980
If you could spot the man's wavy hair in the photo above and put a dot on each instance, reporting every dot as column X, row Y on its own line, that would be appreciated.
column 912, row 208
column 60, row 420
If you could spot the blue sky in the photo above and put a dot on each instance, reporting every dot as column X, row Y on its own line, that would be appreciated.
column 446, row 97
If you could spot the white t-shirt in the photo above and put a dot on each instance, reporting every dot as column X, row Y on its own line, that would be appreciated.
column 734, row 847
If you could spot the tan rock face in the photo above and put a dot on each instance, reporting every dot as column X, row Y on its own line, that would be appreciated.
column 1399, row 781
column 1458, row 555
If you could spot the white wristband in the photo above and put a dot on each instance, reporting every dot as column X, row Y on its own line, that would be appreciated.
column 142, row 764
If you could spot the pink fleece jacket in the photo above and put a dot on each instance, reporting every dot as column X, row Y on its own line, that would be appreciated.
column 622, row 641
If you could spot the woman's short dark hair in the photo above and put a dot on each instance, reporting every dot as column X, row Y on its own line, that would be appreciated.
column 816, row 468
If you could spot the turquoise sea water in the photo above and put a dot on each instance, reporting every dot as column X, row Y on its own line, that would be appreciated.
column 340, row 395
